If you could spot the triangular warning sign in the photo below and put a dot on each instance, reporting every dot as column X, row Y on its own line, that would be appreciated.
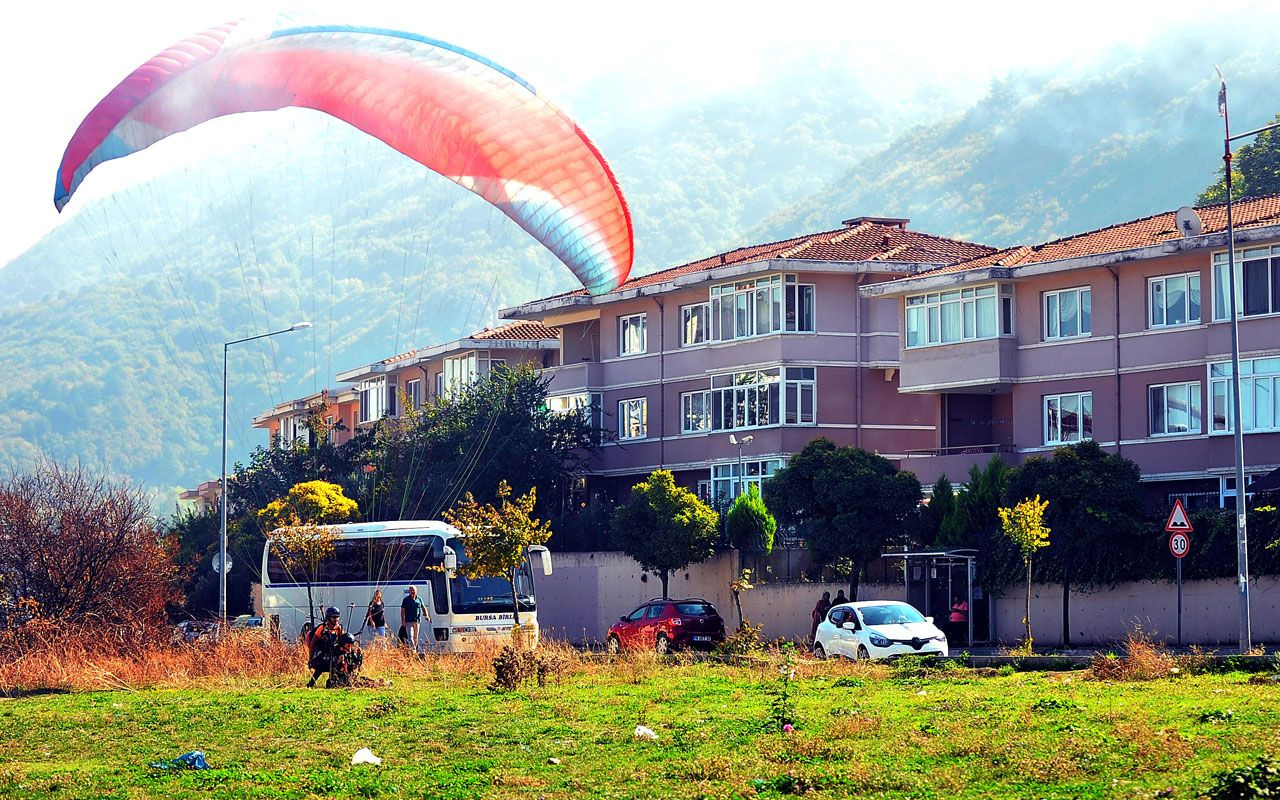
column 1178, row 522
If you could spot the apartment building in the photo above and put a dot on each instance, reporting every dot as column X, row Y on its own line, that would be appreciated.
column 384, row 387
column 722, row 368
column 1120, row 335
column 290, row 422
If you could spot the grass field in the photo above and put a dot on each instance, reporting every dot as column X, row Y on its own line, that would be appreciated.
column 859, row 731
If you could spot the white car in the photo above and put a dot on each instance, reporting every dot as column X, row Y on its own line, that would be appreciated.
column 877, row 629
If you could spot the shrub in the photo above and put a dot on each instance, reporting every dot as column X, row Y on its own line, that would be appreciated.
column 747, row 640
column 1259, row 780
column 1144, row 660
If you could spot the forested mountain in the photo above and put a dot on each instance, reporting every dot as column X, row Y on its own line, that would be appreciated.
column 111, row 326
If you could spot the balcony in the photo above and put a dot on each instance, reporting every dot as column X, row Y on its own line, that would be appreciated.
column 954, row 462
column 574, row 377
column 983, row 365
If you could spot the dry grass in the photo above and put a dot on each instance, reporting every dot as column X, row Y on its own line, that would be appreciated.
column 1144, row 659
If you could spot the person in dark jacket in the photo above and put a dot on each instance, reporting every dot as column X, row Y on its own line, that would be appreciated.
column 346, row 662
column 840, row 598
column 819, row 613
column 323, row 645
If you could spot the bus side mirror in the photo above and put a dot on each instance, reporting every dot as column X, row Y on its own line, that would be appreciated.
column 545, row 555
column 450, row 562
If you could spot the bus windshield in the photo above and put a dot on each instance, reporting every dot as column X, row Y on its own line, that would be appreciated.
column 488, row 595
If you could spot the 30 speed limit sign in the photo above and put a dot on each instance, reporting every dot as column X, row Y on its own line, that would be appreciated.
column 1179, row 544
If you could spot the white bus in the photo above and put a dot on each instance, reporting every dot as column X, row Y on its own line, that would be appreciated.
column 392, row 556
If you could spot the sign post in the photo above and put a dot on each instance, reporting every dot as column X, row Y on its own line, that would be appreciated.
column 1178, row 527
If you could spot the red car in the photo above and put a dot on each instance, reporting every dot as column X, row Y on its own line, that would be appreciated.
column 663, row 624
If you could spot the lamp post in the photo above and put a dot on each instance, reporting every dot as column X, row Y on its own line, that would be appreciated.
column 1242, row 527
column 744, row 441
column 222, row 538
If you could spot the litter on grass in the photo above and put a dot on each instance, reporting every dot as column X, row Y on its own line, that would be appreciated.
column 365, row 756
column 192, row 760
column 642, row 732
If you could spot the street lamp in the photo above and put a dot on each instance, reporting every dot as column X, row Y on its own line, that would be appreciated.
column 1242, row 527
column 222, row 539
column 742, row 477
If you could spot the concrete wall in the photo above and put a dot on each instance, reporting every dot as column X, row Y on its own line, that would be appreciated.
column 1209, row 612
column 589, row 591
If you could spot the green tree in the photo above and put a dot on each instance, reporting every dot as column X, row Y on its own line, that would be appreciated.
column 974, row 522
column 749, row 525
column 498, row 538
column 1095, row 508
column 301, row 528
column 940, row 512
column 1024, row 525
column 497, row 429
column 1255, row 171
column 665, row 527
column 846, row 503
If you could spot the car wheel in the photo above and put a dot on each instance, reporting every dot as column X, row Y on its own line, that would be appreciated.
column 863, row 655
column 663, row 644
column 819, row 652
column 612, row 645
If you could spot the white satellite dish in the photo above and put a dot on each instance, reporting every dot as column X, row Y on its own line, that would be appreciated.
column 1189, row 223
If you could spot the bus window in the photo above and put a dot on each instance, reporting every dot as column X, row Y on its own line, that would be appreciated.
column 489, row 595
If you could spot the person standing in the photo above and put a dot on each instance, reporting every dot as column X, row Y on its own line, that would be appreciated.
column 840, row 598
column 412, row 614
column 819, row 613
column 958, row 622
column 376, row 616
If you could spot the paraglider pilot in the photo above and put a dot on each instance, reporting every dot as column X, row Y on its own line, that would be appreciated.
column 322, row 647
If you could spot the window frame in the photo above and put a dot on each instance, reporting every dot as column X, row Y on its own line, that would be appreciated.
column 624, row 417
column 1080, row 398
column 1162, row 281
column 688, row 312
column 1047, row 323
column 686, row 399
column 1195, row 410
column 961, row 305
column 1218, row 274
column 630, row 320
column 1219, row 393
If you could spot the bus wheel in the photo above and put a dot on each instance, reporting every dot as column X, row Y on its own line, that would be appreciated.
column 612, row 645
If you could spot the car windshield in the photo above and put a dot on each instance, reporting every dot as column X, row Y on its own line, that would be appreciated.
column 695, row 609
column 894, row 614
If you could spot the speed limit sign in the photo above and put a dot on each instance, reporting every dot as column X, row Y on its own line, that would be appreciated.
column 1179, row 544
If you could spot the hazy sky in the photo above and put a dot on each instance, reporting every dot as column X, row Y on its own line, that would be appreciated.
column 59, row 59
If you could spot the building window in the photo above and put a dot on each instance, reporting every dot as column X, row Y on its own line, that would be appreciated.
column 632, row 338
column 695, row 324
column 633, row 418
column 1173, row 300
column 1174, row 408
column 466, row 369
column 695, row 412
column 1227, row 488
column 1006, row 309
column 800, row 396
column 1259, row 271
column 1259, row 395
column 439, row 384
column 744, row 400
column 588, row 405
column 729, row 478
column 761, row 306
column 959, row 315
column 294, row 431
column 1068, row 418
column 413, row 392
column 373, row 399
column 1068, row 313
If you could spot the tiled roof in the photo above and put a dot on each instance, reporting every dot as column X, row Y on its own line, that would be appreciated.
column 1247, row 213
column 862, row 241
column 526, row 331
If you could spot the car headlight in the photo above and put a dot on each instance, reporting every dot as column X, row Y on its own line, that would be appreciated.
column 942, row 637
column 878, row 640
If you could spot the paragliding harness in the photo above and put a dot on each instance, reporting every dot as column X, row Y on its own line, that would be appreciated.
column 324, row 646
column 345, row 663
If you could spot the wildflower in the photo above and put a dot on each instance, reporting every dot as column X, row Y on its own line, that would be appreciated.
column 788, row 728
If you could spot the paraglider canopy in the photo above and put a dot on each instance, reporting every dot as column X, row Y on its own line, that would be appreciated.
column 461, row 115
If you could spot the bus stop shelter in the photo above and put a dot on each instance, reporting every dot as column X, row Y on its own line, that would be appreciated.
column 933, row 577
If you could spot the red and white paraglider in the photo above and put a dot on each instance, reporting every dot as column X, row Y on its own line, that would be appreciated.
column 461, row 115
